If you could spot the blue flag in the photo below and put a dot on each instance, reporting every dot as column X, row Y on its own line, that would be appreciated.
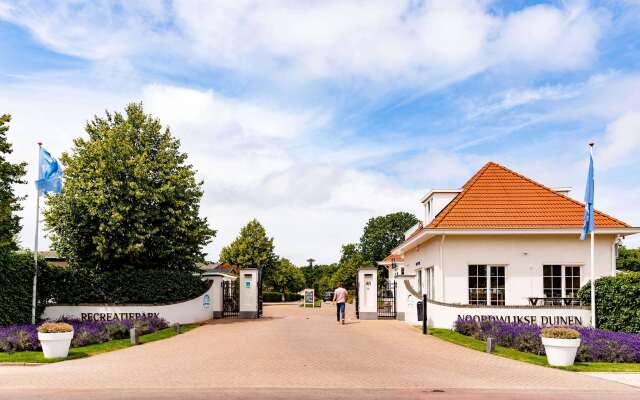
column 589, row 223
column 49, row 173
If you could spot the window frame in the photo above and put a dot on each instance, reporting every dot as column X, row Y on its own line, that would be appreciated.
column 563, row 289
column 488, row 288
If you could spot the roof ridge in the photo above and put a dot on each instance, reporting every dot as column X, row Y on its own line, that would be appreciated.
column 468, row 184
column 581, row 204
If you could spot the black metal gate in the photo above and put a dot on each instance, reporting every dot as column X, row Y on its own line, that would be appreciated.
column 230, row 299
column 387, row 300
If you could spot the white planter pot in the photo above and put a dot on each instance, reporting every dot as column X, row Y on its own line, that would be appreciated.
column 560, row 352
column 55, row 345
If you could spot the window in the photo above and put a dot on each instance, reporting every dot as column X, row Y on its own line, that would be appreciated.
column 486, row 284
column 429, row 282
column 496, row 286
column 477, row 284
column 420, row 280
column 571, row 280
column 552, row 281
column 561, row 281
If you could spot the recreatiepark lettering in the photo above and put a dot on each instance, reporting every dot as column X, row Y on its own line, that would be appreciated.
column 116, row 316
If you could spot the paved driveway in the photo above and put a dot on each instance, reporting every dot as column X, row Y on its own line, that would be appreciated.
column 293, row 352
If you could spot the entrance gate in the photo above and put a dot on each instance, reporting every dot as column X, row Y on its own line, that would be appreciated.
column 230, row 299
column 387, row 300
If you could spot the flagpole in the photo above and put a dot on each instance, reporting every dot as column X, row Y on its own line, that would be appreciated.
column 35, row 250
column 593, row 264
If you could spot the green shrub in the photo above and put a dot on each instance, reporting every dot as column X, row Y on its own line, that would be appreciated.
column 16, row 280
column 617, row 302
column 127, row 286
column 276, row 297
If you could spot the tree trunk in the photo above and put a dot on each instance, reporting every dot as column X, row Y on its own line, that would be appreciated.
column 283, row 298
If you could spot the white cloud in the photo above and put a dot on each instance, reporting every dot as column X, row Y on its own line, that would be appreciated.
column 245, row 151
column 444, row 168
column 546, row 37
column 622, row 141
column 431, row 43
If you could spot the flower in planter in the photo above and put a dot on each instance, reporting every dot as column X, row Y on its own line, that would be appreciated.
column 55, row 327
column 560, row 333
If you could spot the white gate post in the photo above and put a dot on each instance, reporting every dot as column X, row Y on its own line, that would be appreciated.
column 248, row 293
column 216, row 293
column 368, row 293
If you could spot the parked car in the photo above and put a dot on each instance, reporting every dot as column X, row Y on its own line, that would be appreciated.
column 328, row 296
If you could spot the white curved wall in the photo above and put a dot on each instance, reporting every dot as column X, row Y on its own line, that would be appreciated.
column 190, row 311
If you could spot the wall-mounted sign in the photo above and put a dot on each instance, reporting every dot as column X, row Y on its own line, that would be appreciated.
column 247, row 284
column 206, row 301
column 111, row 316
column 526, row 319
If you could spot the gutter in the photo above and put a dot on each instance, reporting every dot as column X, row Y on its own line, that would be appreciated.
column 425, row 233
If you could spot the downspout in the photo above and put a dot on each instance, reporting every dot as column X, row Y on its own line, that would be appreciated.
column 442, row 266
column 614, row 248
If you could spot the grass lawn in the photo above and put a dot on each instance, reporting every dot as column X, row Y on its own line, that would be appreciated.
column 467, row 341
column 85, row 351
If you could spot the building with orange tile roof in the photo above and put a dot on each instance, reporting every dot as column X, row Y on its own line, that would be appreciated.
column 502, row 240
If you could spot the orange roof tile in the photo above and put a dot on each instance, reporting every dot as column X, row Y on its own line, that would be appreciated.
column 498, row 198
column 394, row 257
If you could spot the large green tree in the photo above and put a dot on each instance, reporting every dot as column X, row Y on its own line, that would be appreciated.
column 628, row 259
column 10, row 175
column 129, row 199
column 286, row 277
column 251, row 249
column 382, row 234
column 351, row 259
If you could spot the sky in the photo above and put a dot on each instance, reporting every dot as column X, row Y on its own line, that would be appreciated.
column 314, row 116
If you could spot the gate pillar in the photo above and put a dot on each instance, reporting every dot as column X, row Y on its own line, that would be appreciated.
column 249, row 293
column 216, row 292
column 368, row 292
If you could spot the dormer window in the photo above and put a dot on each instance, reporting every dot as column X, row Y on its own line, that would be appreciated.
column 429, row 207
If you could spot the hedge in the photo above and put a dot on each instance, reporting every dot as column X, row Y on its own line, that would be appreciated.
column 127, row 286
column 275, row 297
column 617, row 302
column 16, row 288
column 73, row 286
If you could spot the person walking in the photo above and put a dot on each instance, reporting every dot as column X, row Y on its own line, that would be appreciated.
column 340, row 296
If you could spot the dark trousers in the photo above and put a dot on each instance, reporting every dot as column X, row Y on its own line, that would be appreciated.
column 340, row 309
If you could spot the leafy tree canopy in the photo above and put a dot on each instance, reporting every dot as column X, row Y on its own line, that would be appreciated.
column 382, row 234
column 286, row 277
column 251, row 249
column 129, row 199
column 628, row 259
column 351, row 260
column 10, row 175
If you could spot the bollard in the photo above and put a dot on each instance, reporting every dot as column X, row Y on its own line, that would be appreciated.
column 133, row 334
column 491, row 344
column 177, row 327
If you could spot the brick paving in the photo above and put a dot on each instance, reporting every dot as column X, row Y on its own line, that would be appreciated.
column 292, row 349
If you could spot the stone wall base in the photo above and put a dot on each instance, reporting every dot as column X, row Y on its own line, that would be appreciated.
column 248, row 314
column 368, row 315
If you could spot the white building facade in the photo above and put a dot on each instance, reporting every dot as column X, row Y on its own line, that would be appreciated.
column 503, row 245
